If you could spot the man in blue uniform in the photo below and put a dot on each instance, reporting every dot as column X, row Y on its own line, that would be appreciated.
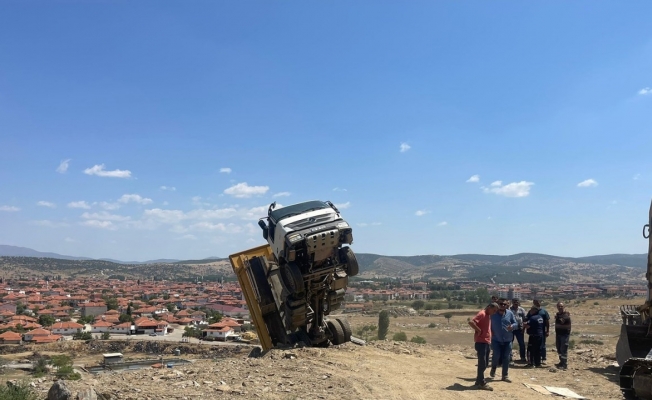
column 546, row 328
column 535, row 327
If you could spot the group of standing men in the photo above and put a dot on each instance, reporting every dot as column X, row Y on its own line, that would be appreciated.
column 499, row 324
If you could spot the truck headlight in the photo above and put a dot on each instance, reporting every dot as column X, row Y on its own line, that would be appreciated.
column 294, row 238
column 342, row 224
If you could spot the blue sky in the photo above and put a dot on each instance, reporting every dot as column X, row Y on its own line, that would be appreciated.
column 153, row 129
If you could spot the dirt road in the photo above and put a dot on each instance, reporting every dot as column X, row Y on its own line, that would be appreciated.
column 382, row 370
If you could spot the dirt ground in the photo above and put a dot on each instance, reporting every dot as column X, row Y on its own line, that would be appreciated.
column 444, row 368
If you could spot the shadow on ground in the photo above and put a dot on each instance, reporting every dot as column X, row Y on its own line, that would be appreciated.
column 459, row 388
column 610, row 372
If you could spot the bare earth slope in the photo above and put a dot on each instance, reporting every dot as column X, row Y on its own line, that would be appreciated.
column 381, row 370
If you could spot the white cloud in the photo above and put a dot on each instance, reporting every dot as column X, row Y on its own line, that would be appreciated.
column 405, row 147
column 339, row 190
column 588, row 183
column 474, row 179
column 48, row 223
column 165, row 216
column 218, row 213
column 46, row 204
column 99, row 224
column 645, row 91
column 442, row 223
column 637, row 177
column 208, row 226
column 79, row 204
column 9, row 208
column 243, row 190
column 225, row 170
column 134, row 198
column 187, row 237
column 170, row 188
column 421, row 213
column 257, row 213
column 282, row 194
column 109, row 206
column 363, row 224
column 63, row 166
column 343, row 206
column 98, row 170
column 514, row 189
column 70, row 240
column 105, row 216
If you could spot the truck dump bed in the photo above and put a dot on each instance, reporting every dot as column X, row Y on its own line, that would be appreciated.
column 242, row 269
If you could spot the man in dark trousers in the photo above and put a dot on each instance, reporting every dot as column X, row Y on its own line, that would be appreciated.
column 481, row 324
column 562, row 335
column 519, row 333
column 502, row 325
column 535, row 328
column 546, row 329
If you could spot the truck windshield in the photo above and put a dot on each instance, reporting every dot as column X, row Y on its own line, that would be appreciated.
column 297, row 209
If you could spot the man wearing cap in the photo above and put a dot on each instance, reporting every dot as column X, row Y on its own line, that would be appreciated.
column 481, row 324
column 535, row 328
column 502, row 325
column 546, row 327
column 562, row 335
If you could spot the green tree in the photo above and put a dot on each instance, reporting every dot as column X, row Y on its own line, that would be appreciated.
column 400, row 337
column 125, row 318
column 86, row 320
column 46, row 320
column 40, row 367
column 365, row 330
column 418, row 339
column 418, row 304
column 17, row 391
column 448, row 316
column 106, row 336
column 61, row 360
column 129, row 309
column 482, row 295
column 214, row 317
column 111, row 303
column 191, row 331
column 171, row 307
column 383, row 324
column 82, row 335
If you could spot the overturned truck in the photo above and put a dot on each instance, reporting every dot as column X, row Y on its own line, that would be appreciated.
column 295, row 281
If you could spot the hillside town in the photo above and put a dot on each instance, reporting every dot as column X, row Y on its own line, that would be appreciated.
column 40, row 311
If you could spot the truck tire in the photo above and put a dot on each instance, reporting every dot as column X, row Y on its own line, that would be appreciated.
column 346, row 328
column 292, row 279
column 336, row 331
column 347, row 257
column 262, row 285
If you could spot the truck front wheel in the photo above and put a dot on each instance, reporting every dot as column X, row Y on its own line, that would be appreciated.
column 347, row 257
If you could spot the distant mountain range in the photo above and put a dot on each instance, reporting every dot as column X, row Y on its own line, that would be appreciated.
column 15, row 251
column 516, row 268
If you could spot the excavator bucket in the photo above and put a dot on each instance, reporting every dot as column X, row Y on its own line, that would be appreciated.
column 633, row 343
column 634, row 348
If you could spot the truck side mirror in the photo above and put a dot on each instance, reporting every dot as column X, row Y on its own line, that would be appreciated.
column 264, row 227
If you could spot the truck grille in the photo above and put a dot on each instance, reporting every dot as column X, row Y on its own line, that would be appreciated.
column 306, row 222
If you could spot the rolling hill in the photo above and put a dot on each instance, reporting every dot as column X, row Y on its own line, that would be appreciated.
column 516, row 268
